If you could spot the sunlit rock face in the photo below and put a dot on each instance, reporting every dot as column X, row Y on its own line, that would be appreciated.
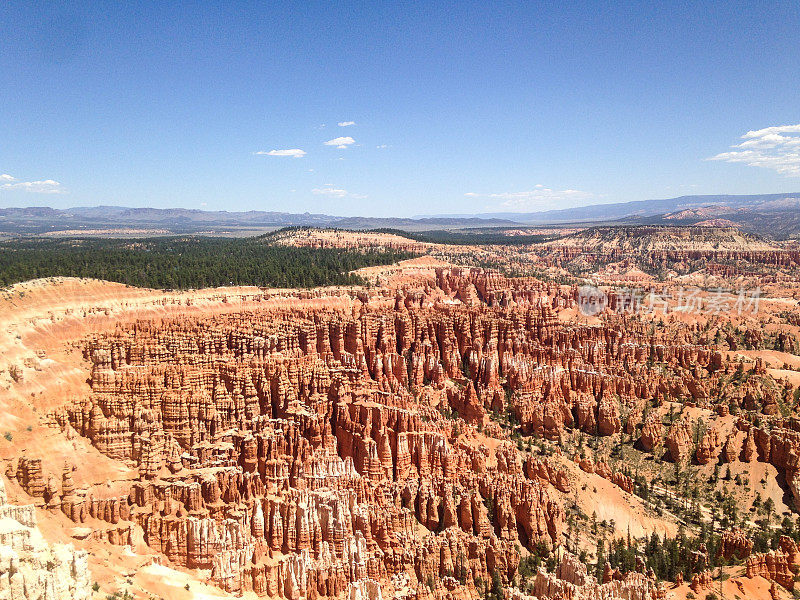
column 32, row 569
column 362, row 448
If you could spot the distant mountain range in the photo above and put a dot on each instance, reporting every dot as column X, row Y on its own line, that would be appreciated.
column 774, row 215
column 644, row 208
column 116, row 219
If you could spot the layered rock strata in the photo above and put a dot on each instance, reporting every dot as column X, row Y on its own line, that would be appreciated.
column 304, row 453
column 31, row 569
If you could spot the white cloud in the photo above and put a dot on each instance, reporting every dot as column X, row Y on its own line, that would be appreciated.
column 346, row 123
column 382, row 146
column 45, row 186
column 776, row 148
column 770, row 130
column 341, row 142
column 539, row 197
column 293, row 152
column 333, row 192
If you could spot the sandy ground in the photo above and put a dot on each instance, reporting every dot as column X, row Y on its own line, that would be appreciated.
column 599, row 496
column 771, row 358
column 736, row 587
column 774, row 361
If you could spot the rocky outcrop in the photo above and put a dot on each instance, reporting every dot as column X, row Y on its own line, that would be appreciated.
column 31, row 569
column 780, row 447
column 701, row 581
column 734, row 544
column 651, row 432
column 548, row 471
column 709, row 447
column 773, row 565
column 679, row 440
column 571, row 580
column 608, row 422
column 29, row 475
column 603, row 470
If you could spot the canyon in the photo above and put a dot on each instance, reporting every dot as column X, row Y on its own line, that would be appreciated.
column 431, row 436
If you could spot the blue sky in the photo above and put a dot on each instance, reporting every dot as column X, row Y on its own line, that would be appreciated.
column 457, row 107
